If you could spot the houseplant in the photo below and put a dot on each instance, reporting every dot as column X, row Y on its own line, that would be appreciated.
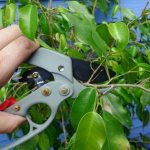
column 97, row 121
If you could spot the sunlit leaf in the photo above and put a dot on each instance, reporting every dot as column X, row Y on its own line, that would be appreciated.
column 90, row 134
column 120, row 32
column 128, row 13
column 10, row 14
column 28, row 20
column 115, row 10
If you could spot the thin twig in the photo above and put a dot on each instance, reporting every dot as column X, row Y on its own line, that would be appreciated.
column 112, row 86
column 94, row 6
column 90, row 79
column 63, row 127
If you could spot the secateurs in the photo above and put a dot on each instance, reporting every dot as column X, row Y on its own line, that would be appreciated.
column 65, row 72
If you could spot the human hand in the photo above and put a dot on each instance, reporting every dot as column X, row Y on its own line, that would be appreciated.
column 14, row 49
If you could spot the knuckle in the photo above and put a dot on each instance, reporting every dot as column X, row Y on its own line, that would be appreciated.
column 24, row 43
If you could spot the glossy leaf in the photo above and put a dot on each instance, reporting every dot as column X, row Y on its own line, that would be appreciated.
column 120, row 32
column 90, row 133
column 128, row 13
column 63, row 42
column 10, row 14
column 28, row 20
column 117, row 109
column 84, row 103
column 115, row 10
column 116, row 139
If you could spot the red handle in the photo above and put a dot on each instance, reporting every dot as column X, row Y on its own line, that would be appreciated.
column 7, row 103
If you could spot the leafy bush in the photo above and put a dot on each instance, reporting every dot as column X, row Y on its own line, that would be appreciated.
column 94, row 120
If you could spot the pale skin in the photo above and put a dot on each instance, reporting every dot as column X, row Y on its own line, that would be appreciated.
column 14, row 49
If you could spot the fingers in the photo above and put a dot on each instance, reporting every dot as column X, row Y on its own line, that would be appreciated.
column 9, row 122
column 9, row 34
column 13, row 55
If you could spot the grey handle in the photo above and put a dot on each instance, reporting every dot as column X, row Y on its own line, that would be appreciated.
column 53, row 100
column 58, row 90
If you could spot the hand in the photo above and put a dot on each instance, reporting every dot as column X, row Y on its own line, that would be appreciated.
column 14, row 49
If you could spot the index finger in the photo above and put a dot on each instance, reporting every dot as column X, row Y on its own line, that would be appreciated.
column 9, row 34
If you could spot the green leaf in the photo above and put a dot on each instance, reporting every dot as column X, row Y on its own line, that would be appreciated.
column 103, row 5
column 74, row 53
column 44, row 25
column 44, row 143
column 116, row 139
column 71, row 142
column 146, row 118
column 121, row 92
column 128, row 13
column 77, row 7
column 28, row 20
column 117, row 109
column 145, row 30
column 1, row 17
column 30, row 144
column 115, row 10
column 84, row 103
column 63, row 42
column 120, row 32
column 43, row 44
column 145, row 99
column 24, row 1
column 90, row 134
column 85, row 30
column 103, row 32
column 10, row 14
column 144, row 65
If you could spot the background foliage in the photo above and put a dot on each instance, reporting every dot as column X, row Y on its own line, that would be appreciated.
column 94, row 120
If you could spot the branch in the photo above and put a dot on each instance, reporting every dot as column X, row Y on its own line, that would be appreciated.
column 112, row 86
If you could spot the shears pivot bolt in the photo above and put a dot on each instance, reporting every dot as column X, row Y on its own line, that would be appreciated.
column 35, row 75
column 46, row 92
column 64, row 91
column 17, row 108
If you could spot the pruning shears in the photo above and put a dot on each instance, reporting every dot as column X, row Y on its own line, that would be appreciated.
column 66, row 72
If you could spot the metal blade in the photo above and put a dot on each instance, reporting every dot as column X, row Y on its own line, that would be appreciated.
column 82, row 71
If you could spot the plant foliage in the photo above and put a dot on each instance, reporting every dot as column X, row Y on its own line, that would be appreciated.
column 94, row 120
